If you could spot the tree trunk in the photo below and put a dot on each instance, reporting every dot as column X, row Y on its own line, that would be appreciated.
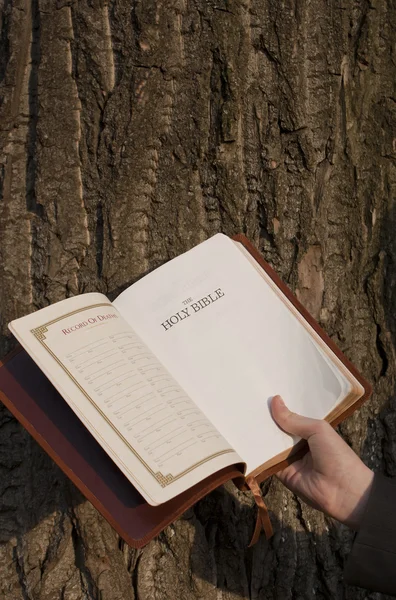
column 129, row 132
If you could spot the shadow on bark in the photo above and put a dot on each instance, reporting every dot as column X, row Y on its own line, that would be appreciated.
column 295, row 559
column 292, row 564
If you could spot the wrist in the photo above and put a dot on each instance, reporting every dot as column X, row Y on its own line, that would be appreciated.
column 356, row 498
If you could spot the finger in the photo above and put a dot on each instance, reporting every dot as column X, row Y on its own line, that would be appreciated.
column 293, row 423
column 289, row 472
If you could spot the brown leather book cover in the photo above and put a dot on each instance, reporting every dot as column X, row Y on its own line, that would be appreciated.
column 39, row 407
column 35, row 402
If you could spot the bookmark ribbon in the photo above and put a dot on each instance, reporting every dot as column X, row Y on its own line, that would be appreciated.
column 262, row 521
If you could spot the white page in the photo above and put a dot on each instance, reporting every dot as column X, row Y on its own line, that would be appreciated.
column 130, row 403
column 234, row 354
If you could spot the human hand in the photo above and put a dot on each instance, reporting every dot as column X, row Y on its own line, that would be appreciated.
column 330, row 477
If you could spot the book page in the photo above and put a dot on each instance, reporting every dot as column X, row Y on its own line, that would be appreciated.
column 232, row 345
column 127, row 399
column 346, row 379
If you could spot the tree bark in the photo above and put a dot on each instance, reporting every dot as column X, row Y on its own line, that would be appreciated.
column 129, row 132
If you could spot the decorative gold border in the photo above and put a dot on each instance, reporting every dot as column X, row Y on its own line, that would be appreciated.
column 163, row 480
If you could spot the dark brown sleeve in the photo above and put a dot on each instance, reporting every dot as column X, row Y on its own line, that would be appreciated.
column 372, row 562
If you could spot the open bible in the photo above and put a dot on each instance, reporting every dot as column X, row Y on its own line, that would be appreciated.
column 173, row 379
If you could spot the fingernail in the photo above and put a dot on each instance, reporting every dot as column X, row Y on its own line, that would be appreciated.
column 281, row 401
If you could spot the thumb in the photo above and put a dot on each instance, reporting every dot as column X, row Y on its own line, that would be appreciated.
column 291, row 422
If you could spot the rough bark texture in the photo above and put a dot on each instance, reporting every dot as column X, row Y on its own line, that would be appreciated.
column 130, row 130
